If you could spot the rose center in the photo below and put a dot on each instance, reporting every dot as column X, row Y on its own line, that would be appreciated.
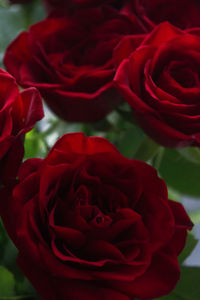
column 184, row 74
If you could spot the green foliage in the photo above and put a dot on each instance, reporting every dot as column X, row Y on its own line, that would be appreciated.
column 3, row 240
column 180, row 174
column 189, row 247
column 16, row 18
column 195, row 216
column 147, row 150
column 35, row 145
column 191, row 153
column 7, row 283
column 130, row 141
column 188, row 288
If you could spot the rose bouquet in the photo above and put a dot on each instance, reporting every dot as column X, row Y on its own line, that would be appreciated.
column 100, row 183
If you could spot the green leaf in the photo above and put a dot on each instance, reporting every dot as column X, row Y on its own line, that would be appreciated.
column 180, row 174
column 195, row 216
column 191, row 153
column 28, row 288
column 33, row 12
column 174, row 195
column 189, row 247
column 4, row 3
column 7, row 283
column 188, row 288
column 130, row 141
column 10, row 255
column 171, row 297
column 31, row 144
column 3, row 240
column 147, row 150
column 35, row 145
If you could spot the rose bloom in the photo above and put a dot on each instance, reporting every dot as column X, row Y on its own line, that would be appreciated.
column 72, row 5
column 18, row 114
column 68, row 5
column 160, row 81
column 69, row 59
column 181, row 13
column 91, row 224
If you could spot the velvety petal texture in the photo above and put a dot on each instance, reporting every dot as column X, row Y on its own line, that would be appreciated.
column 92, row 224
column 19, row 111
column 181, row 13
column 71, row 6
column 69, row 59
column 160, row 80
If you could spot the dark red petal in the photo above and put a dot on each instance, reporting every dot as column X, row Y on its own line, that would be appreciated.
column 161, row 34
column 126, row 46
column 32, row 107
column 157, row 281
column 28, row 167
column 80, row 144
column 52, row 287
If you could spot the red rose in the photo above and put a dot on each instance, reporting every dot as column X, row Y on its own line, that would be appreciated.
column 160, row 81
column 181, row 13
column 69, row 59
column 72, row 5
column 92, row 224
column 58, row 4
column 18, row 114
